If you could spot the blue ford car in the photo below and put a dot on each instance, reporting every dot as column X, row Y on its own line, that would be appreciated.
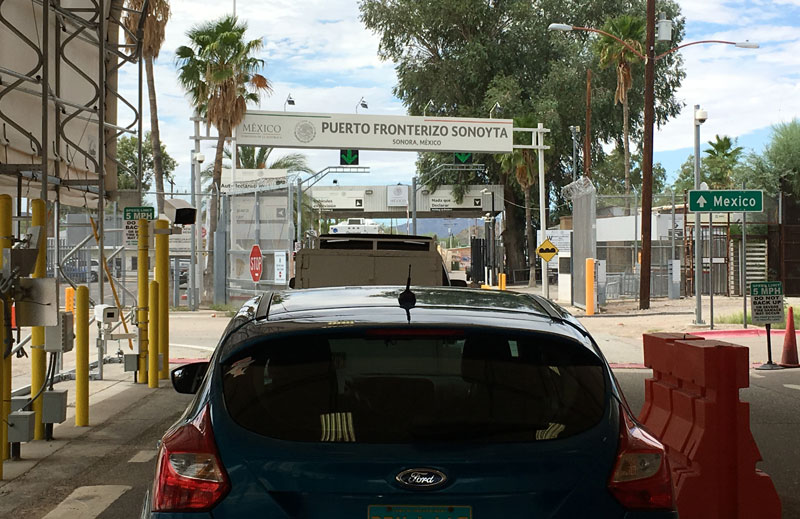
column 393, row 403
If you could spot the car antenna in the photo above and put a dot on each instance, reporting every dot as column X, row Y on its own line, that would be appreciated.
column 407, row 299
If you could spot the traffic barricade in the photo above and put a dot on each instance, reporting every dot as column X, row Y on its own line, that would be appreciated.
column 692, row 406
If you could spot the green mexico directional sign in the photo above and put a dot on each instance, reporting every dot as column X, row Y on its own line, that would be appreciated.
column 348, row 158
column 726, row 201
column 462, row 158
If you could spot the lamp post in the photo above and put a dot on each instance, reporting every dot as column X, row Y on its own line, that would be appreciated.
column 362, row 103
column 289, row 101
column 699, row 118
column 649, row 118
column 495, row 108
column 428, row 105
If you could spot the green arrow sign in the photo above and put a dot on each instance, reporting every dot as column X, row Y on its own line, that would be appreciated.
column 463, row 158
column 348, row 158
column 726, row 201
column 136, row 213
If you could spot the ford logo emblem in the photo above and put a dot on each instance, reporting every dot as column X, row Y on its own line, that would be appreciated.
column 421, row 479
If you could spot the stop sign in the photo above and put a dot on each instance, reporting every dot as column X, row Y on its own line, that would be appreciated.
column 256, row 263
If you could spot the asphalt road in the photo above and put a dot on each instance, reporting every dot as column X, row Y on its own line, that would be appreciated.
column 105, row 472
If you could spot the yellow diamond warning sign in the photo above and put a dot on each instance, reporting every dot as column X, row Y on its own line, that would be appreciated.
column 546, row 250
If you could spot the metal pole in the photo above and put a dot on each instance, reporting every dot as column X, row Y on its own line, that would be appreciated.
column 743, row 265
column 82, row 357
column 152, row 354
column 46, row 108
column 635, row 231
column 101, row 154
column 162, row 276
column 574, row 131
column 176, row 278
column 542, row 206
column 711, row 268
column 673, row 226
column 299, row 210
column 698, row 253
column 195, row 270
column 414, row 204
column 5, row 348
column 38, row 355
column 140, row 135
column 142, row 274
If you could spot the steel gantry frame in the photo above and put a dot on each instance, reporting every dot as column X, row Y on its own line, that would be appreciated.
column 54, row 158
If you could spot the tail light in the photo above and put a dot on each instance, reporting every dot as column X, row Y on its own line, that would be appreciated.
column 641, row 477
column 189, row 474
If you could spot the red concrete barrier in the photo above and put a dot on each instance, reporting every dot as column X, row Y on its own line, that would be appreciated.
column 692, row 405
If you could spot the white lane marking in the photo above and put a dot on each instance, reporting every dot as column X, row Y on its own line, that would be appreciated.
column 87, row 502
column 756, row 375
column 192, row 346
column 143, row 456
column 792, row 386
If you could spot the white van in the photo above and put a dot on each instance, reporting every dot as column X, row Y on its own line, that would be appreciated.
column 356, row 226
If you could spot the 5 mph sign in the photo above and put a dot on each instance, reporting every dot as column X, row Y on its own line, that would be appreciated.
column 766, row 300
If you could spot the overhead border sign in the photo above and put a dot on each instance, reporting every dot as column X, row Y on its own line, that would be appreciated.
column 726, row 201
column 375, row 132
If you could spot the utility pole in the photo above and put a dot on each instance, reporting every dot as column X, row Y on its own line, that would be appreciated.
column 587, row 141
column 647, row 155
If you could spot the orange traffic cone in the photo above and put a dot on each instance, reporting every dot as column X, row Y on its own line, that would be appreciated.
column 789, row 357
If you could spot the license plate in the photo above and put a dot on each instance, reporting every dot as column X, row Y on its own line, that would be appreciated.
column 418, row 512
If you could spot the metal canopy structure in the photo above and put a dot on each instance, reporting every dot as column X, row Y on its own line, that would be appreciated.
column 58, row 79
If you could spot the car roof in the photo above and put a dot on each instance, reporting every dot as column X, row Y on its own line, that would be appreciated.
column 286, row 303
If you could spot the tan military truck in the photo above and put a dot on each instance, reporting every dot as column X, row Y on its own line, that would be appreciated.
column 370, row 259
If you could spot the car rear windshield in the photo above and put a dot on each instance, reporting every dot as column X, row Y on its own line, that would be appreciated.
column 409, row 386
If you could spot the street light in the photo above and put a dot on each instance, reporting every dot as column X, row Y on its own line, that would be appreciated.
column 700, row 116
column 289, row 101
column 362, row 103
column 649, row 118
column 495, row 108
column 424, row 110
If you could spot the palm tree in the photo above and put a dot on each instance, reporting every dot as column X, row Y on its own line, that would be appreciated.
column 631, row 30
column 721, row 161
column 155, row 23
column 255, row 157
column 220, row 74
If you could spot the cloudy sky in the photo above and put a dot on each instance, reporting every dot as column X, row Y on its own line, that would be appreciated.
column 319, row 51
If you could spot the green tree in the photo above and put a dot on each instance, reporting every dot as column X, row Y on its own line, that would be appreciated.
column 778, row 167
column 256, row 157
column 128, row 156
column 221, row 75
column 466, row 55
column 716, row 168
column 156, row 18
column 607, row 175
column 631, row 30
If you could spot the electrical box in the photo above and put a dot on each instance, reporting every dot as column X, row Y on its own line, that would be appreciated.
column 21, row 426
column 18, row 403
column 131, row 362
column 60, row 338
column 106, row 314
column 54, row 406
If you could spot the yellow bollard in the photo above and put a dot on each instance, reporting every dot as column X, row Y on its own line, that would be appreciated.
column 38, row 355
column 2, row 348
column 589, row 286
column 69, row 300
column 82, row 357
column 143, row 273
column 152, row 359
column 162, row 276
column 502, row 280
column 5, row 386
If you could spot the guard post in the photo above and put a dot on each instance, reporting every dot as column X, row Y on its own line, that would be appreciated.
column 162, row 276
column 143, row 270
column 152, row 357
column 5, row 365
column 82, row 357
column 38, row 355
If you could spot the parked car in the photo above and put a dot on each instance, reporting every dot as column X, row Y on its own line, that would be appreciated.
column 428, row 402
